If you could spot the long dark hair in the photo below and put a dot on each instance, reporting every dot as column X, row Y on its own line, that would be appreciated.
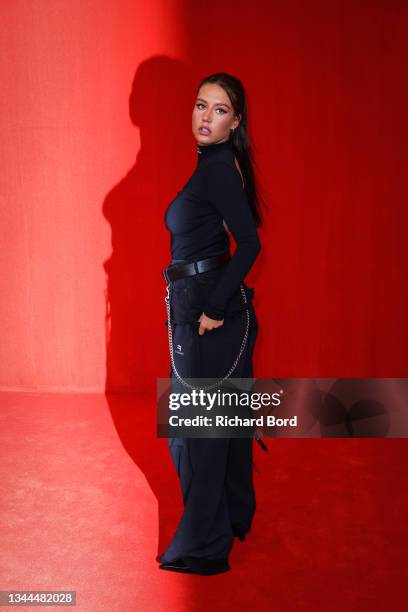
column 240, row 138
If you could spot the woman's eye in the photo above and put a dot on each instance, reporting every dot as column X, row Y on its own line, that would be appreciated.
column 220, row 109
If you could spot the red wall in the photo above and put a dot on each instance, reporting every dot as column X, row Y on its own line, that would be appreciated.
column 96, row 140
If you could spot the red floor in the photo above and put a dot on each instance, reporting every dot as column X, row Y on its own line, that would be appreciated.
column 90, row 496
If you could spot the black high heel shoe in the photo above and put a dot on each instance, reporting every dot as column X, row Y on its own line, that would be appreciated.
column 240, row 536
column 176, row 566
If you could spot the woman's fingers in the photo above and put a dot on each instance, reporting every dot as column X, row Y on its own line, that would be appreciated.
column 201, row 330
column 206, row 324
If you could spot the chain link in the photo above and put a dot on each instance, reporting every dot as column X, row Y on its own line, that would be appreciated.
column 170, row 335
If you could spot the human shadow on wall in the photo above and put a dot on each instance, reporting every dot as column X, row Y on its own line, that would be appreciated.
column 160, row 106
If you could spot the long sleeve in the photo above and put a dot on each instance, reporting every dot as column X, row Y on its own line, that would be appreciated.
column 225, row 193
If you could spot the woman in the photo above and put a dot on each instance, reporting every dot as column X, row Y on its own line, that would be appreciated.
column 211, row 322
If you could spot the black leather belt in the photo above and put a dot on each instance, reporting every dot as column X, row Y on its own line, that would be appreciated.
column 181, row 270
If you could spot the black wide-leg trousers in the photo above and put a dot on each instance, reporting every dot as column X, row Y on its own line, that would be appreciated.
column 215, row 474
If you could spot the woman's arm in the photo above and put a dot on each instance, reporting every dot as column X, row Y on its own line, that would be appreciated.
column 224, row 191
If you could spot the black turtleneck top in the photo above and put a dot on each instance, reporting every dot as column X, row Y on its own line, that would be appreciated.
column 195, row 218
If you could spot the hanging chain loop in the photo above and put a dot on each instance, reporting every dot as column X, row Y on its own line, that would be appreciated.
column 170, row 335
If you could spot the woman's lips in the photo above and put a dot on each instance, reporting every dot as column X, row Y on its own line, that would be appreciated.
column 204, row 131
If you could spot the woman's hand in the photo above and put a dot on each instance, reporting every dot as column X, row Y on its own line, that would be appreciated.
column 207, row 324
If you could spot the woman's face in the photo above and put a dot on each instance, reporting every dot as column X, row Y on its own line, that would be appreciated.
column 213, row 110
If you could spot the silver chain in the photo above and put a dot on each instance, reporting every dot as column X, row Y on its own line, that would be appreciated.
column 234, row 365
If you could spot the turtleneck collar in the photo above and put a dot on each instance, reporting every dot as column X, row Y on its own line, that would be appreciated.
column 207, row 150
